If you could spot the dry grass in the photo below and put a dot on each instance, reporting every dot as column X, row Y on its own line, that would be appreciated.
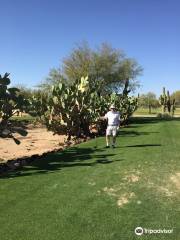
column 175, row 179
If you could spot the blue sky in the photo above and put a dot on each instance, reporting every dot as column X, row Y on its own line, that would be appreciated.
column 37, row 34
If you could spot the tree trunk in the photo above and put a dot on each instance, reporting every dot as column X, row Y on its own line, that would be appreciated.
column 149, row 109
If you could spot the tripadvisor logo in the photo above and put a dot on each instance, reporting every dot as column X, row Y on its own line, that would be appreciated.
column 139, row 231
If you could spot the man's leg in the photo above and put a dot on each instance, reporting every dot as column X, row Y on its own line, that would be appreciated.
column 114, row 133
column 113, row 141
column 108, row 134
column 107, row 140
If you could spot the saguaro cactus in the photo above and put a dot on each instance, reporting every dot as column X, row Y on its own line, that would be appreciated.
column 173, row 106
column 163, row 100
column 166, row 102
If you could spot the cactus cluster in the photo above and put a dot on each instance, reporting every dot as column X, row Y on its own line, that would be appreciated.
column 167, row 104
column 37, row 105
column 75, row 108
column 11, row 100
column 125, row 104
column 72, row 107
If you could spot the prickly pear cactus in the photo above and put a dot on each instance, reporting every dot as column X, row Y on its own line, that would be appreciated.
column 37, row 106
column 10, row 100
column 75, row 108
column 72, row 107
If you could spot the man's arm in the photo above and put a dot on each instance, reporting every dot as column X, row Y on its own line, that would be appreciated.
column 119, row 121
column 105, row 117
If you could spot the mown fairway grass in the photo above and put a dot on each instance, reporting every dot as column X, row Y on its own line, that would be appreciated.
column 74, row 194
column 154, row 111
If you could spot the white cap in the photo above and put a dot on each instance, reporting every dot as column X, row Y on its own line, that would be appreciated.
column 112, row 106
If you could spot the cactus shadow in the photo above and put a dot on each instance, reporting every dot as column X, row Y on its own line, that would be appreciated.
column 144, row 145
column 124, row 133
column 53, row 162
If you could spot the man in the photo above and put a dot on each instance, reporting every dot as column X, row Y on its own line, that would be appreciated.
column 113, row 118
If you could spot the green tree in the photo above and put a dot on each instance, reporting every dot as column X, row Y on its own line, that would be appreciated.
column 176, row 95
column 55, row 77
column 149, row 101
column 78, row 63
column 106, row 65
column 26, row 92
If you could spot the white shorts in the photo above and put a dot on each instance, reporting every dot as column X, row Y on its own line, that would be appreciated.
column 111, row 130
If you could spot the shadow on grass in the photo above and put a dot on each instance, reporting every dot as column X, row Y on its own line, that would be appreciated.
column 128, row 133
column 136, row 122
column 71, row 157
column 144, row 120
column 80, row 156
column 145, row 145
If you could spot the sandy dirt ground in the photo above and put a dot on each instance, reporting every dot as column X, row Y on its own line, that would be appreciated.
column 38, row 141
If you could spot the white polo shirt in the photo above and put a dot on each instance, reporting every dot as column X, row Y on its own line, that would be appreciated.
column 113, row 118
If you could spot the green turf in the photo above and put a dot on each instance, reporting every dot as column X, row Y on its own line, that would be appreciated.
column 154, row 111
column 74, row 195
